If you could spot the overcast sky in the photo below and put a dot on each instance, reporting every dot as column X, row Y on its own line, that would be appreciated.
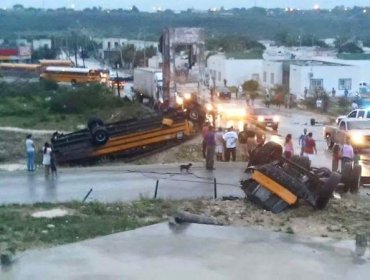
column 148, row 5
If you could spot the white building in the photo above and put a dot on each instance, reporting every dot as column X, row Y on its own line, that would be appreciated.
column 115, row 44
column 41, row 43
column 155, row 61
column 272, row 73
column 234, row 71
column 323, row 75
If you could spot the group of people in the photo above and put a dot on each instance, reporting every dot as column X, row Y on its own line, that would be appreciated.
column 305, row 141
column 223, row 144
column 48, row 158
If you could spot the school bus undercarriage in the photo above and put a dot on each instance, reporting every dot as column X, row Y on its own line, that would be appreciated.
column 125, row 138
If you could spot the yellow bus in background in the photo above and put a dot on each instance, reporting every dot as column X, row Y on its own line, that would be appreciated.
column 74, row 75
column 56, row 62
column 20, row 68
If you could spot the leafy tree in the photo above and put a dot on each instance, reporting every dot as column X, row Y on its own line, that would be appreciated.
column 250, row 85
column 44, row 53
column 134, row 9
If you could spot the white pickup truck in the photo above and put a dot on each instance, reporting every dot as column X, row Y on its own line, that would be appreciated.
column 358, row 131
column 355, row 114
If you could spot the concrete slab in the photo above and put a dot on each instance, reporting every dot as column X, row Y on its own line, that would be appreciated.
column 121, row 183
column 197, row 252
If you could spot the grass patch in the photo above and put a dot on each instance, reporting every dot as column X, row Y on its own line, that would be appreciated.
column 32, row 105
column 354, row 56
column 20, row 231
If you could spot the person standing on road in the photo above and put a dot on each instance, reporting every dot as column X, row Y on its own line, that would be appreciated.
column 346, row 93
column 268, row 99
column 333, row 92
column 53, row 165
column 243, row 143
column 346, row 153
column 230, row 138
column 302, row 140
column 288, row 147
column 46, row 158
column 219, row 144
column 310, row 147
column 247, row 99
column 204, row 134
column 252, row 143
column 253, row 97
column 30, row 149
column 210, row 148
column 305, row 92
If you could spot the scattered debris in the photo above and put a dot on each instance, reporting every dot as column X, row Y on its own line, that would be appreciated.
column 56, row 212
column 186, row 217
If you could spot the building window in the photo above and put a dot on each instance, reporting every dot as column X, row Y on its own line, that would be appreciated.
column 316, row 84
column 219, row 76
column 272, row 78
column 344, row 84
column 264, row 76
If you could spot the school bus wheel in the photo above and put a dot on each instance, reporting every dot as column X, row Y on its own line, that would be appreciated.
column 100, row 135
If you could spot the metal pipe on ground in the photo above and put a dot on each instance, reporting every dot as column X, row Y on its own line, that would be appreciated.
column 186, row 217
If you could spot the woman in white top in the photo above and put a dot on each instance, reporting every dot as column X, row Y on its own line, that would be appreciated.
column 46, row 158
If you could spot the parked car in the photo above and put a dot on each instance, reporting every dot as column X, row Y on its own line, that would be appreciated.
column 262, row 117
column 112, row 82
column 224, row 93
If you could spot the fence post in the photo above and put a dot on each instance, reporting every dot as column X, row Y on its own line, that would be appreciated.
column 156, row 189
column 87, row 195
column 215, row 188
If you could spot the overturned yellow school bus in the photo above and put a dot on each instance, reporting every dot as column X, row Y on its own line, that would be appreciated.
column 124, row 138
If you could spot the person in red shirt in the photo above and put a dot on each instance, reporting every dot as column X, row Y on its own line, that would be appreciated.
column 310, row 147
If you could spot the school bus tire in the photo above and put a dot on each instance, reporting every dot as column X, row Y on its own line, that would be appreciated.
column 327, row 190
column 302, row 161
column 99, row 135
column 93, row 122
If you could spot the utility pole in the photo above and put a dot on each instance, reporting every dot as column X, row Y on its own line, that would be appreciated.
column 75, row 49
column 117, row 81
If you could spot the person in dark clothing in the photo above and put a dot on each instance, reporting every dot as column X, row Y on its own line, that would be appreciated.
column 210, row 148
column 243, row 143
column 53, row 165
column 204, row 134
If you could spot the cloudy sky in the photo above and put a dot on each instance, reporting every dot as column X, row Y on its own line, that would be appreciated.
column 148, row 5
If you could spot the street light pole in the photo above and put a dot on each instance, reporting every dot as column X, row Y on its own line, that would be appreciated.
column 117, row 81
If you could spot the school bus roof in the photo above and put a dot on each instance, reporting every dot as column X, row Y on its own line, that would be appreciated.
column 51, row 62
column 67, row 69
column 19, row 66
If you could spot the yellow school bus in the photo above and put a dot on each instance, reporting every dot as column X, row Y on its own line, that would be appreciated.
column 56, row 62
column 20, row 68
column 72, row 75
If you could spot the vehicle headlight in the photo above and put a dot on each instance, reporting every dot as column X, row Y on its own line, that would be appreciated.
column 179, row 100
column 357, row 138
column 260, row 118
column 187, row 96
column 276, row 118
column 209, row 107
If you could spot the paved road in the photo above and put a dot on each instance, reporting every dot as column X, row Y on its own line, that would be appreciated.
column 197, row 252
column 122, row 183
